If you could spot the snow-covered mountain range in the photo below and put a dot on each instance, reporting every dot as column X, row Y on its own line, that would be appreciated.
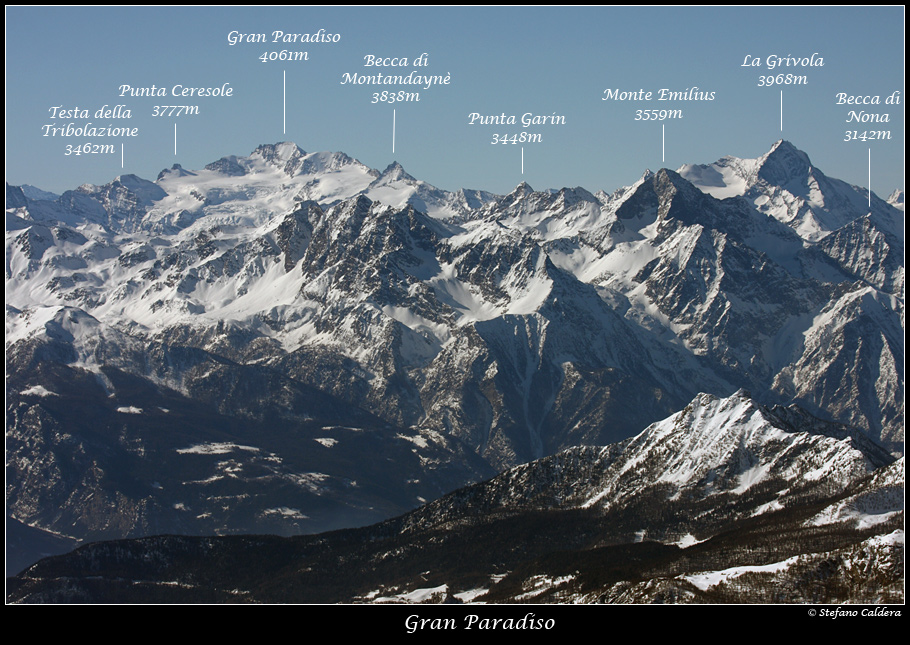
column 223, row 350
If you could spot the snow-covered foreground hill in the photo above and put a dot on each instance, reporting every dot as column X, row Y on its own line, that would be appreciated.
column 725, row 501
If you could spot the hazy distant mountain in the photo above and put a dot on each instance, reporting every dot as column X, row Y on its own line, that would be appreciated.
column 37, row 194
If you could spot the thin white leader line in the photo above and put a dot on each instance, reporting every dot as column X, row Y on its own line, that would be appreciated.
column 175, row 138
column 522, row 160
column 663, row 142
column 393, row 131
column 121, row 155
column 284, row 102
column 781, row 110
column 870, row 178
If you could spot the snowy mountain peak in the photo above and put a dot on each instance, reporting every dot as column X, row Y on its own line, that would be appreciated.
column 784, row 147
column 731, row 444
column 667, row 177
column 229, row 166
column 285, row 156
column 783, row 164
column 571, row 196
column 784, row 184
column 896, row 199
column 395, row 172
column 139, row 185
column 522, row 190
column 738, row 405
column 322, row 162
column 37, row 194
column 664, row 194
column 473, row 199
column 15, row 198
column 174, row 171
column 278, row 152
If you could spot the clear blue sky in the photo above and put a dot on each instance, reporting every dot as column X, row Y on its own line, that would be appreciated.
column 508, row 60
